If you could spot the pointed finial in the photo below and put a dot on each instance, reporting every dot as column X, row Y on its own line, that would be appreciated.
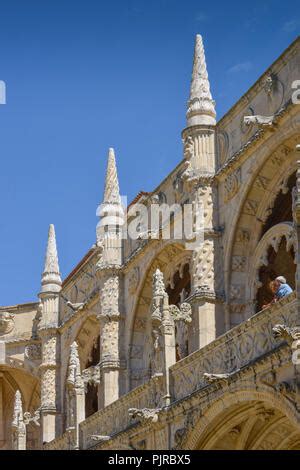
column 51, row 280
column 18, row 410
column 112, row 191
column 158, row 283
column 74, row 373
column 201, row 107
column 111, row 210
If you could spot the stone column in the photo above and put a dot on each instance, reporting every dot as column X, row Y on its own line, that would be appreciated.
column 163, row 334
column 198, row 179
column 109, row 239
column 49, row 370
column 18, row 425
column 75, row 394
column 203, row 293
column 48, row 332
column 111, row 322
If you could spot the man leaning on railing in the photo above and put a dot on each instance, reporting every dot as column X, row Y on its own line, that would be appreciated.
column 280, row 289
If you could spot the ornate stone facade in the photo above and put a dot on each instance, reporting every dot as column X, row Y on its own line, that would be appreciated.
column 155, row 343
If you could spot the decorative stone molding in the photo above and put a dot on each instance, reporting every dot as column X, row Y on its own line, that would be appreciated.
column 239, row 263
column 134, row 279
column 183, row 313
column 251, row 207
column 232, row 184
column 222, row 145
column 243, row 236
column 74, row 378
column 237, row 291
column 188, row 147
column 204, row 293
column 91, row 376
column 6, row 322
column 144, row 415
column 286, row 333
column 33, row 352
column 262, row 182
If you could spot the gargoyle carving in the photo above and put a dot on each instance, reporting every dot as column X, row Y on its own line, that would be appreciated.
column 260, row 120
column 97, row 438
column 35, row 417
column 211, row 378
column 75, row 306
column 144, row 415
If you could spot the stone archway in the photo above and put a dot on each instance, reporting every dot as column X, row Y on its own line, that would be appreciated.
column 251, row 426
column 88, row 341
column 270, row 176
column 273, row 256
column 173, row 260
column 246, row 420
column 11, row 380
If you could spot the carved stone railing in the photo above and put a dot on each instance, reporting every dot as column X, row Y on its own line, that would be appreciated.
column 63, row 442
column 116, row 417
column 233, row 350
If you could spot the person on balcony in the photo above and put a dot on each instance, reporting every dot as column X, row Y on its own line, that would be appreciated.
column 280, row 289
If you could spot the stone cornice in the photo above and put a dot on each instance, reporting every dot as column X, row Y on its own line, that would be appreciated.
column 19, row 307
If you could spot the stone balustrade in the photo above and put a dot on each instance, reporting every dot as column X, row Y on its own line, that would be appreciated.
column 234, row 349
column 115, row 417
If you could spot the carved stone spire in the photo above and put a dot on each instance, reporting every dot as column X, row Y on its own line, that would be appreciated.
column 51, row 280
column 200, row 107
column 112, row 191
column 110, row 211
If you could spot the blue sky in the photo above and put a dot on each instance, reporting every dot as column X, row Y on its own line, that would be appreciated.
column 82, row 76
